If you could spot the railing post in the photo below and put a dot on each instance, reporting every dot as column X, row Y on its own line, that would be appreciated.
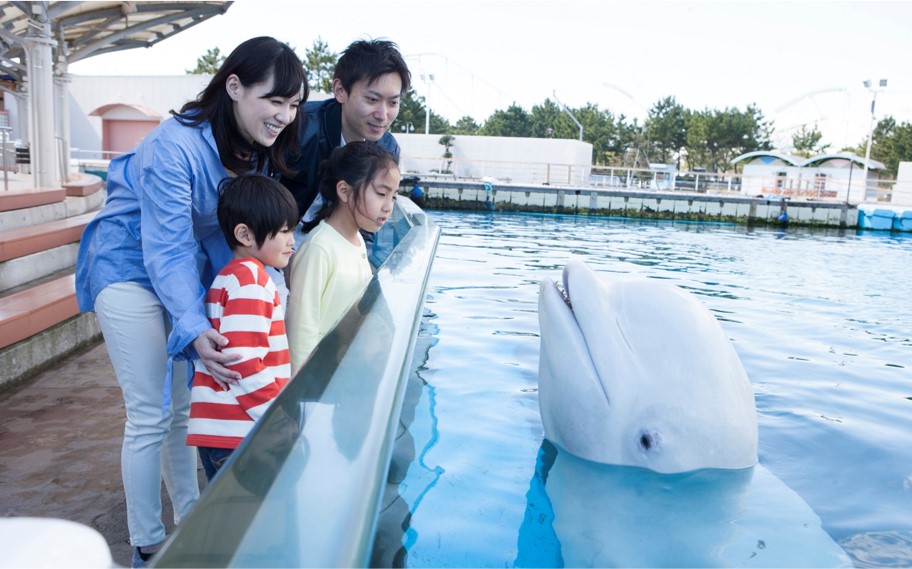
column 5, row 133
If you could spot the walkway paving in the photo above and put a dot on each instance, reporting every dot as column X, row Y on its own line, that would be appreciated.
column 60, row 439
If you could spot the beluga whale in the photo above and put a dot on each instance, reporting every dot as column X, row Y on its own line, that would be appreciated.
column 640, row 373
column 650, row 457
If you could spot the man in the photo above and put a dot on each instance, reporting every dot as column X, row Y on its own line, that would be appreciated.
column 369, row 81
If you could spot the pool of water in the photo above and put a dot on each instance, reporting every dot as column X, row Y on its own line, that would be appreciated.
column 822, row 322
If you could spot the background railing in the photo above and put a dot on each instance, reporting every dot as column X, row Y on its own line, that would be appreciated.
column 813, row 187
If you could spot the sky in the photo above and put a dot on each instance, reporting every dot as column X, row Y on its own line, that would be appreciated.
column 801, row 62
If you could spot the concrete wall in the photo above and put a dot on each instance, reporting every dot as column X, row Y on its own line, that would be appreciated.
column 157, row 93
column 508, row 159
column 902, row 190
column 635, row 204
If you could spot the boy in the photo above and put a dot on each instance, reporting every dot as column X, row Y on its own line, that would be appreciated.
column 369, row 81
column 257, row 215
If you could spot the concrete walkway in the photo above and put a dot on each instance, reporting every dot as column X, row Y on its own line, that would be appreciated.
column 60, row 439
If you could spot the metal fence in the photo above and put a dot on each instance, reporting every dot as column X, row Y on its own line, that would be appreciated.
column 816, row 188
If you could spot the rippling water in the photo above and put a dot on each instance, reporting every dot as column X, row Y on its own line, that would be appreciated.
column 822, row 322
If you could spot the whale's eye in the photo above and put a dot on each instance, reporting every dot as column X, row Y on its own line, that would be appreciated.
column 648, row 440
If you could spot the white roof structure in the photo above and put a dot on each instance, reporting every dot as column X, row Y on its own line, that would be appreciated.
column 818, row 160
column 802, row 162
column 39, row 39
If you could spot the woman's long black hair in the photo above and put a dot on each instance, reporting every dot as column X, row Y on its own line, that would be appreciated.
column 254, row 61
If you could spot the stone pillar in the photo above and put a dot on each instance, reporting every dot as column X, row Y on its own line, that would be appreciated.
column 39, row 52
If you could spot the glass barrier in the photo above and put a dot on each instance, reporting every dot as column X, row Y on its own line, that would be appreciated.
column 304, row 488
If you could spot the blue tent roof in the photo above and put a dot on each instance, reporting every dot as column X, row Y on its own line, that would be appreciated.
column 872, row 164
column 770, row 155
column 802, row 162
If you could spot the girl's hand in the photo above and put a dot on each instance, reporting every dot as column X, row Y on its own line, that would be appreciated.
column 207, row 346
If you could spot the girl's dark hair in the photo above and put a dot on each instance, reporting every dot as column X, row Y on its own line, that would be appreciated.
column 356, row 164
column 259, row 202
column 254, row 62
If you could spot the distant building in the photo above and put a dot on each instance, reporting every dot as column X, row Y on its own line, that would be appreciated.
column 549, row 161
column 828, row 176
column 664, row 178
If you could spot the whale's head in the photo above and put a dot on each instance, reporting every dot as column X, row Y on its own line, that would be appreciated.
column 640, row 373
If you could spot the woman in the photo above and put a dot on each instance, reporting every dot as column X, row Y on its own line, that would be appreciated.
column 147, row 259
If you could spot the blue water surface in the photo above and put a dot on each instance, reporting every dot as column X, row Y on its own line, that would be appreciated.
column 822, row 321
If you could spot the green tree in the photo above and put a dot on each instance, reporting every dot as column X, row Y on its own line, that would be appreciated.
column 762, row 135
column 208, row 62
column 466, row 126
column 892, row 144
column 614, row 148
column 715, row 138
column 412, row 111
column 742, row 131
column 447, row 142
column 438, row 124
column 602, row 130
column 549, row 121
column 671, row 133
column 666, row 128
column 514, row 121
column 807, row 142
column 411, row 114
column 320, row 64
column 702, row 148
column 635, row 147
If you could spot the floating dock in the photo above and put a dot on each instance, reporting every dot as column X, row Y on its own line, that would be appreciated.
column 885, row 217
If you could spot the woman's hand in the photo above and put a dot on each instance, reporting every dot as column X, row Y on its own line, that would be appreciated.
column 207, row 345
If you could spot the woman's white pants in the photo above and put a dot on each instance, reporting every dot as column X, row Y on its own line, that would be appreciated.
column 135, row 328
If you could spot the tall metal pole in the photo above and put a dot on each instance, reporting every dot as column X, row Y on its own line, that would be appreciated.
column 849, row 188
column 428, row 79
column 864, row 178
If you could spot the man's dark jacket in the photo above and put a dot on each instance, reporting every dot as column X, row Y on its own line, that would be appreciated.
column 319, row 131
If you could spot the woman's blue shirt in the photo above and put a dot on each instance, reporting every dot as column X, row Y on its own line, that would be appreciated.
column 159, row 228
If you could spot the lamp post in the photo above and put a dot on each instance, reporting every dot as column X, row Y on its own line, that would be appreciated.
column 427, row 79
column 864, row 178
column 408, row 127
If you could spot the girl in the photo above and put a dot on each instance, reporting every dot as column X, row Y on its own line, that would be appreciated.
column 358, row 184
column 147, row 259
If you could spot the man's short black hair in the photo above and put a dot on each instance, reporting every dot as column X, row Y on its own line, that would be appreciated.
column 371, row 59
column 262, row 204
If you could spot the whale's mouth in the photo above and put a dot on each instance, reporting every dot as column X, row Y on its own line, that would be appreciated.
column 565, row 290
column 564, row 294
